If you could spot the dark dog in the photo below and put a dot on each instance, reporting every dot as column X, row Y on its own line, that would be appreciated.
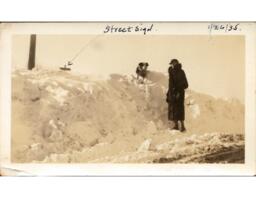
column 141, row 70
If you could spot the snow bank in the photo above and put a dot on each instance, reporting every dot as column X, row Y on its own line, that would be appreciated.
column 74, row 118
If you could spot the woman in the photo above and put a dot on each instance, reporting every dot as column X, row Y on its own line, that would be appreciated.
column 176, row 94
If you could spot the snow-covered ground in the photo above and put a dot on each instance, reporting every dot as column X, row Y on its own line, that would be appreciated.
column 62, row 117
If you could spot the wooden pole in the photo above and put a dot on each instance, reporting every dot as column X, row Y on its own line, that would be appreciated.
column 32, row 52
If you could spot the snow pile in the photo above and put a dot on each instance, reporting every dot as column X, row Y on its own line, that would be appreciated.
column 206, row 148
column 61, row 117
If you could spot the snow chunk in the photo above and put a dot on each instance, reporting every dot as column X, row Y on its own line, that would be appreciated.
column 191, row 102
column 151, row 127
column 165, row 146
column 56, row 135
column 36, row 146
column 164, row 89
column 60, row 158
column 33, row 81
column 24, row 73
column 59, row 94
column 145, row 145
column 62, row 124
column 147, row 92
column 129, row 78
column 173, row 131
column 195, row 110
column 70, row 85
column 52, row 124
column 88, row 87
column 81, row 90
column 42, row 81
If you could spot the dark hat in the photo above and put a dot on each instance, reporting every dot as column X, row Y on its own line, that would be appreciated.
column 146, row 64
column 178, row 66
column 174, row 61
column 141, row 64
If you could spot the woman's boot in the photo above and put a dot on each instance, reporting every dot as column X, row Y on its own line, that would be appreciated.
column 183, row 129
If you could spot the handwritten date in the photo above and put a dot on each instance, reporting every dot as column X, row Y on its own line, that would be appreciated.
column 224, row 27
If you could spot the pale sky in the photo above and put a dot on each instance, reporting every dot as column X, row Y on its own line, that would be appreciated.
column 214, row 65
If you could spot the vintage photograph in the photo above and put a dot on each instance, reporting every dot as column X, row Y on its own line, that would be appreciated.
column 128, row 98
column 142, row 99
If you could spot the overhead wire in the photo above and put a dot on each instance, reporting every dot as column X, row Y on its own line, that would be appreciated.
column 84, row 47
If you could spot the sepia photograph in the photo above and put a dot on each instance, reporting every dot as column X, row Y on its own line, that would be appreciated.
column 129, row 94
column 138, row 99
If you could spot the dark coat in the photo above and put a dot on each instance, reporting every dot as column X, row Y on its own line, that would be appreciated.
column 176, row 93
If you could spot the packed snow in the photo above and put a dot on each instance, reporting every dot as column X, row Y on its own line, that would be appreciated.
column 60, row 117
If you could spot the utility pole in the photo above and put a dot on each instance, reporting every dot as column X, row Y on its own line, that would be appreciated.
column 32, row 52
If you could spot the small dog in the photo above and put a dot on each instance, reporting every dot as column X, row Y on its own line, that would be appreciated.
column 141, row 70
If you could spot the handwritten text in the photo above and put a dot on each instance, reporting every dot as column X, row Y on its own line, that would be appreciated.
column 127, row 29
